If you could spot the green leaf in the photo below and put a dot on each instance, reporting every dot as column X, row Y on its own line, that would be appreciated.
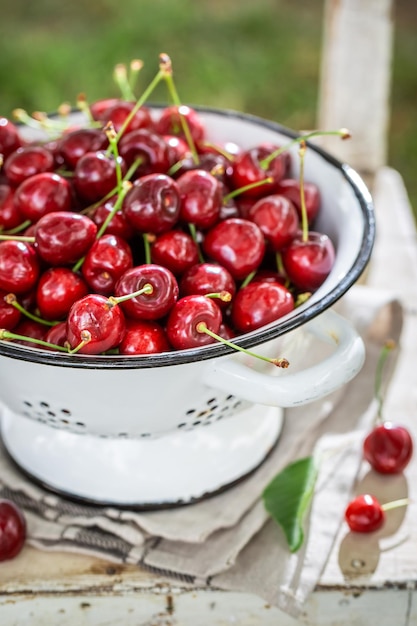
column 288, row 496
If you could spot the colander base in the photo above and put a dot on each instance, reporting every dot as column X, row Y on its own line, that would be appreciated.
column 172, row 470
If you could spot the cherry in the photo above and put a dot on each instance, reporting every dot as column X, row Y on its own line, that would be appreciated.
column 57, row 290
column 388, row 448
column 201, row 198
column 99, row 108
column 260, row 303
column 105, row 262
column 41, row 194
column 9, row 315
column 95, row 175
column 290, row 188
column 10, row 216
column 62, row 237
column 154, row 303
column 27, row 161
column 19, row 266
column 237, row 244
column 75, row 144
column 10, row 139
column 147, row 146
column 118, row 224
column 277, row 218
column 177, row 149
column 252, row 166
column 184, row 318
column 30, row 329
column 172, row 118
column 12, row 530
column 118, row 113
column 175, row 250
column 57, row 335
column 308, row 261
column 206, row 278
column 144, row 337
column 152, row 205
column 365, row 514
column 96, row 320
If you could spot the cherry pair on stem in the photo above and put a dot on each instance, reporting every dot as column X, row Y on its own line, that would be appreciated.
column 388, row 448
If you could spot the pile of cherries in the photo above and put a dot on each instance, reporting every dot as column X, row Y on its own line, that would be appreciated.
column 136, row 234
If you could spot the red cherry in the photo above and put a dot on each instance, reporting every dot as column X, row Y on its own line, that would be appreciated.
column 152, row 204
column 62, row 237
column 58, row 288
column 19, row 266
column 364, row 514
column 169, row 122
column 10, row 139
column 99, row 107
column 41, row 194
column 98, row 316
column 57, row 335
column 10, row 216
column 388, row 448
column 184, row 318
column 75, row 144
column 201, row 198
column 290, row 188
column 147, row 306
column 9, row 315
column 144, row 337
column 95, row 175
column 118, row 224
column 32, row 329
column 205, row 278
column 236, row 244
column 260, row 303
column 178, row 149
column 175, row 250
column 27, row 161
column 277, row 218
column 108, row 258
column 121, row 110
column 147, row 146
column 248, row 168
column 307, row 263
column 12, row 530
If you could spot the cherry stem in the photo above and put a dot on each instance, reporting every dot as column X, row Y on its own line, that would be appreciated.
column 122, row 81
column 248, row 279
column 112, row 137
column 84, row 107
column 166, row 68
column 301, row 298
column 7, row 335
column 146, row 289
column 224, row 296
column 385, row 350
column 10, row 298
column 18, row 238
column 341, row 132
column 237, row 192
column 227, row 155
column 395, row 504
column 304, row 217
column 202, row 328
column 140, row 102
column 147, row 240
column 18, row 229
column 193, row 232
column 134, row 69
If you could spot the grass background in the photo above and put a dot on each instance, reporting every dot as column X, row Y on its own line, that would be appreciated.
column 261, row 57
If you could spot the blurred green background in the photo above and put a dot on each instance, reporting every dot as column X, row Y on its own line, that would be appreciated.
column 261, row 57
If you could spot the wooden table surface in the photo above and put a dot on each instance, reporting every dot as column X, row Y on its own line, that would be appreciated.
column 364, row 580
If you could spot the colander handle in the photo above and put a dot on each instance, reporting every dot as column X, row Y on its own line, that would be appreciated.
column 317, row 381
